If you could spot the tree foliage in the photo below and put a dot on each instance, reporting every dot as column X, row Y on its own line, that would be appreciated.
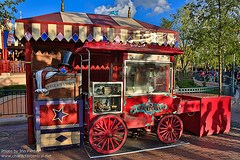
column 7, row 9
column 184, row 24
column 217, row 29
column 209, row 28
column 165, row 23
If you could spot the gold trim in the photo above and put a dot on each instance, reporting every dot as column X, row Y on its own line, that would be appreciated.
column 28, row 62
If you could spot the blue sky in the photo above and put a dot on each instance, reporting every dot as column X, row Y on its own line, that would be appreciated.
column 149, row 11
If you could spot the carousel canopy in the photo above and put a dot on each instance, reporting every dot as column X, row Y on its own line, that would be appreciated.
column 83, row 27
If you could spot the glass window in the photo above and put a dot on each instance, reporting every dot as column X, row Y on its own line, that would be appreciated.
column 107, row 97
column 147, row 77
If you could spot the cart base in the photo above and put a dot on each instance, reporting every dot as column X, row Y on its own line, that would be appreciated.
column 142, row 143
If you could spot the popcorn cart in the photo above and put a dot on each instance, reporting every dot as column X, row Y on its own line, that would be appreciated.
column 128, row 87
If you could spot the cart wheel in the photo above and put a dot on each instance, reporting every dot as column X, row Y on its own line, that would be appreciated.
column 169, row 129
column 108, row 134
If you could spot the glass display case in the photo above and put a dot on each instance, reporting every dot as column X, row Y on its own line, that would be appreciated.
column 147, row 77
column 107, row 97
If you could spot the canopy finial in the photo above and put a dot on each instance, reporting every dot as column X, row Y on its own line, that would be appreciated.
column 129, row 12
column 62, row 6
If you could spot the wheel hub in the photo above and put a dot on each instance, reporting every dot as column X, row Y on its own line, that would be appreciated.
column 109, row 134
column 170, row 129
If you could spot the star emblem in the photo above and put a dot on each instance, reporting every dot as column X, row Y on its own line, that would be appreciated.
column 59, row 114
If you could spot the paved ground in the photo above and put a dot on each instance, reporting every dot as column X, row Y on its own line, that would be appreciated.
column 219, row 147
column 13, row 140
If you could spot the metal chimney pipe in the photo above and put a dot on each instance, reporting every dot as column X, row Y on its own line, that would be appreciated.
column 129, row 12
column 62, row 6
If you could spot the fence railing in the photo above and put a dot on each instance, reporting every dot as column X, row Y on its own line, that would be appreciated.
column 213, row 90
column 13, row 102
column 12, row 66
column 226, row 90
column 229, row 84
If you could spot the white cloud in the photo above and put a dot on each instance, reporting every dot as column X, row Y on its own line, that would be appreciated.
column 157, row 6
column 120, row 5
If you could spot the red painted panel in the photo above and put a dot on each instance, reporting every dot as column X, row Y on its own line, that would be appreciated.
column 214, row 116
column 191, row 122
column 189, row 106
column 139, row 111
column 58, row 114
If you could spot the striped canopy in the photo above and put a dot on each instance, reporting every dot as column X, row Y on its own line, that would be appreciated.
column 77, row 27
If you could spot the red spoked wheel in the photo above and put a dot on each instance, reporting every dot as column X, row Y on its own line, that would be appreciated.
column 108, row 134
column 169, row 129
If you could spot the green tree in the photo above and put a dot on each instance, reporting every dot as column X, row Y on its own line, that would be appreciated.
column 165, row 23
column 216, row 30
column 183, row 23
column 209, row 33
column 7, row 10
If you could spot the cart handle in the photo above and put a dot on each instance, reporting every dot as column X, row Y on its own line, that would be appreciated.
column 85, row 99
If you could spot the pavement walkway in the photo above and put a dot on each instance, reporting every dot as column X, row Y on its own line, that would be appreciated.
column 13, row 145
column 13, row 140
column 235, row 109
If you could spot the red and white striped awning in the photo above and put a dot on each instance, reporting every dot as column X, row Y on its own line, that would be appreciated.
column 77, row 27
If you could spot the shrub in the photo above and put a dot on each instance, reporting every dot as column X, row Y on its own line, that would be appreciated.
column 12, row 87
column 186, row 83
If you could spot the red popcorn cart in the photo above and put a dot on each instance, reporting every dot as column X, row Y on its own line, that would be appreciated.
column 127, row 87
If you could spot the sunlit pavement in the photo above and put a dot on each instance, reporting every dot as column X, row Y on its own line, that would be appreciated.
column 13, row 140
